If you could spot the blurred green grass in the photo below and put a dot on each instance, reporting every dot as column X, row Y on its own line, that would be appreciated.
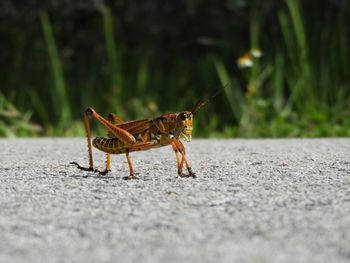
column 299, row 87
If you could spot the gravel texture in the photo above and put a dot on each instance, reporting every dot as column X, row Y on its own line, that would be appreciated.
column 252, row 201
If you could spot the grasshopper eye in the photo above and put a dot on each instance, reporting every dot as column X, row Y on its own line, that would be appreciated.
column 182, row 116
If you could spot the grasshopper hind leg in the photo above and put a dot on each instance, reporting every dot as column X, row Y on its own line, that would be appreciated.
column 81, row 167
column 90, row 169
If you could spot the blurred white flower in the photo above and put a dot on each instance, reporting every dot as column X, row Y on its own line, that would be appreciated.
column 256, row 53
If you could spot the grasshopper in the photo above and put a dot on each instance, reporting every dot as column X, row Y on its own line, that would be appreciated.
column 142, row 135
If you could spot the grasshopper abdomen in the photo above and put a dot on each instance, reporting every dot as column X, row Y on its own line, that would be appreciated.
column 109, row 145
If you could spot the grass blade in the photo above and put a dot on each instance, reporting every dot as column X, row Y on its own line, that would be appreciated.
column 60, row 100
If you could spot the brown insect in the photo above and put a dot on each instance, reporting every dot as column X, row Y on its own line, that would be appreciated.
column 141, row 135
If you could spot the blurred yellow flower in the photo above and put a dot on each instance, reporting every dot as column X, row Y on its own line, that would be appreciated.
column 245, row 61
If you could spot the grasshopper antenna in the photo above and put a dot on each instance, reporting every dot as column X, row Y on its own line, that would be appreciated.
column 203, row 102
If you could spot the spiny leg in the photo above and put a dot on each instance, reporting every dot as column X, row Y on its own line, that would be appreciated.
column 189, row 169
column 108, row 161
column 136, row 147
column 87, row 113
column 123, row 135
column 179, row 164
column 119, row 133
column 182, row 150
column 131, row 176
column 82, row 167
column 180, row 147
column 115, row 118
column 111, row 117
column 108, row 166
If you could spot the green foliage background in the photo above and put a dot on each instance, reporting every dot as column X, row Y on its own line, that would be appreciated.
column 142, row 58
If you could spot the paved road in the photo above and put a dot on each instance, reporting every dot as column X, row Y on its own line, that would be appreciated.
column 252, row 201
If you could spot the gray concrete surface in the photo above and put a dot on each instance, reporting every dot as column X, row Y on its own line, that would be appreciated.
column 252, row 201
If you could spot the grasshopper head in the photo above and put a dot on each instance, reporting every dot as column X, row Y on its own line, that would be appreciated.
column 184, row 119
column 184, row 125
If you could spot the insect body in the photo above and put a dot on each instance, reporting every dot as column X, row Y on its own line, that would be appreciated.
column 141, row 135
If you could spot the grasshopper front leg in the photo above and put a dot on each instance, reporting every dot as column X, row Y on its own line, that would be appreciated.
column 178, row 147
